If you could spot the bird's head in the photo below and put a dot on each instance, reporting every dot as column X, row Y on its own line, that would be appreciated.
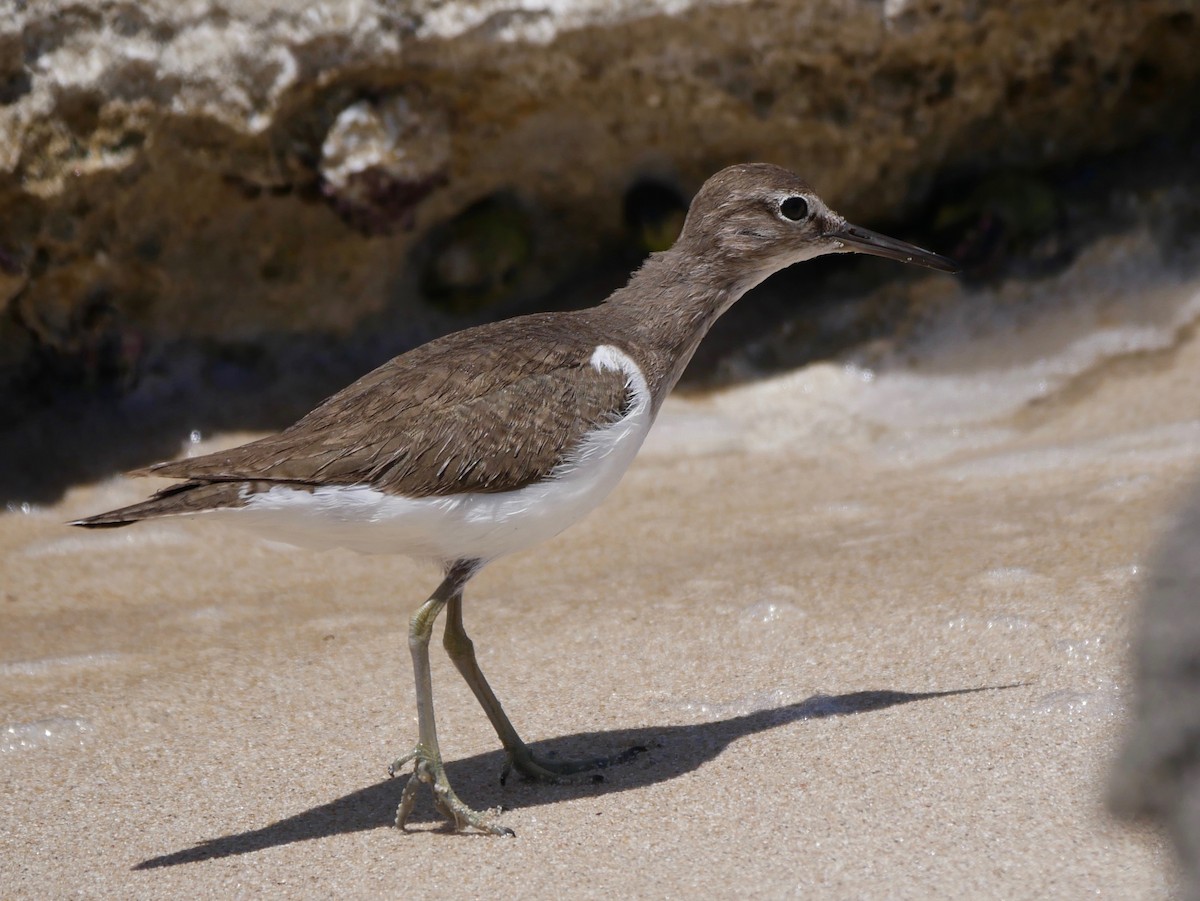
column 762, row 218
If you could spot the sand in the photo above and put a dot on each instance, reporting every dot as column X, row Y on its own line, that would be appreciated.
column 871, row 651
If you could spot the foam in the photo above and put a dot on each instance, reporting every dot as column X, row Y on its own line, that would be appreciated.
column 993, row 354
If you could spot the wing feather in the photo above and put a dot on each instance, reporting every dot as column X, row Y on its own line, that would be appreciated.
column 436, row 421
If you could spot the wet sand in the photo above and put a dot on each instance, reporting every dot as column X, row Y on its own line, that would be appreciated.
column 872, row 652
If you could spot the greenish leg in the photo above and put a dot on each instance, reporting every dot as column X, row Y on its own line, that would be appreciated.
column 427, row 757
column 462, row 651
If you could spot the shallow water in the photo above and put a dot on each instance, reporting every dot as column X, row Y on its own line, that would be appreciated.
column 869, row 616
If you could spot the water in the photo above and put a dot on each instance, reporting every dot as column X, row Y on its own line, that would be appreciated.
column 50, row 665
column 967, row 380
column 54, row 731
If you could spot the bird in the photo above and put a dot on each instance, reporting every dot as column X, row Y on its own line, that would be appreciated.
column 493, row 439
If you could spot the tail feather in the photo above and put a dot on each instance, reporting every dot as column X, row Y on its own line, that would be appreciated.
column 187, row 497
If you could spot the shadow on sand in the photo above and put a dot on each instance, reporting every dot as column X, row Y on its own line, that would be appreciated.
column 673, row 751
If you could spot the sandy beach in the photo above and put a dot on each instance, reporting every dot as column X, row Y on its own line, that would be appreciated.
column 870, row 623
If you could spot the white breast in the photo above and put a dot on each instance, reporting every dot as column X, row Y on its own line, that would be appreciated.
column 479, row 526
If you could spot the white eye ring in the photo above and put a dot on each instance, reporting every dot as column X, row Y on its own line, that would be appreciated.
column 794, row 208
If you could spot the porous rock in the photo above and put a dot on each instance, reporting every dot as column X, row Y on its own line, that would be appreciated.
column 230, row 169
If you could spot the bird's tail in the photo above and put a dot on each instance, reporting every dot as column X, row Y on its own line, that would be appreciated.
column 188, row 497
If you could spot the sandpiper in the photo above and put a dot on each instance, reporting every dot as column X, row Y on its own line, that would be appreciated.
column 492, row 439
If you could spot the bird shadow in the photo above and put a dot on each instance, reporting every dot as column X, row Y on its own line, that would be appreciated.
column 670, row 751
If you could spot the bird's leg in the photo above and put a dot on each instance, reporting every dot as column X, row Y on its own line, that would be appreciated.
column 462, row 651
column 426, row 755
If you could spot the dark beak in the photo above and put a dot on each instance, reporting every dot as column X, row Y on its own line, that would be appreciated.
column 863, row 240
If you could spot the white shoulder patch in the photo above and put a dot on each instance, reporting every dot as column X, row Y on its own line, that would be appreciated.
column 607, row 357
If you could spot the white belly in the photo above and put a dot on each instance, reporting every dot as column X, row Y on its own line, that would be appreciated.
column 475, row 526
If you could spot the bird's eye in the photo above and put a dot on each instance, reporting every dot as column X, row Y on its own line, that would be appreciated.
column 794, row 208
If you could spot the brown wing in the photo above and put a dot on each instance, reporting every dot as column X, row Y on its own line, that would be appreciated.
column 438, row 420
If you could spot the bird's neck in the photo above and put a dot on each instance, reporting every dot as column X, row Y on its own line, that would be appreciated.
column 668, row 307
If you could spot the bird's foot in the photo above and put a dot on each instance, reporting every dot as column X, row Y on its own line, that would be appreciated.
column 538, row 769
column 428, row 768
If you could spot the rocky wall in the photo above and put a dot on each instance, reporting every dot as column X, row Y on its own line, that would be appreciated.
column 249, row 170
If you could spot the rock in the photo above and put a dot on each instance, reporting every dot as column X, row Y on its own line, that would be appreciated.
column 247, row 170
column 13, row 276
column 380, row 158
column 478, row 257
column 1158, row 774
